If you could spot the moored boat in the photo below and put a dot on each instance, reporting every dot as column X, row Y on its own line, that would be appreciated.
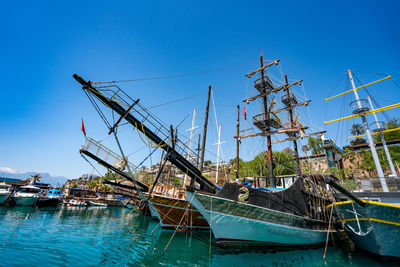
column 5, row 192
column 174, row 211
column 51, row 199
column 26, row 195
column 374, row 227
column 244, row 216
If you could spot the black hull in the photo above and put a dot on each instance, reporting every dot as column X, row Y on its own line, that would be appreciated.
column 50, row 202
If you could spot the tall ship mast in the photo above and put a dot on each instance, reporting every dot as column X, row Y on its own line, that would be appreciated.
column 243, row 215
column 372, row 225
column 361, row 108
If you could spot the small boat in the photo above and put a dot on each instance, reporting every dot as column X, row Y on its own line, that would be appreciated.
column 97, row 204
column 5, row 192
column 77, row 202
column 27, row 195
column 52, row 199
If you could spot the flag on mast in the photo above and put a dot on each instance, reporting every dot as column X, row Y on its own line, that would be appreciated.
column 245, row 114
column 83, row 128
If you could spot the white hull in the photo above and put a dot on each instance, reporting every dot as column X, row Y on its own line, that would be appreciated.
column 25, row 201
column 3, row 197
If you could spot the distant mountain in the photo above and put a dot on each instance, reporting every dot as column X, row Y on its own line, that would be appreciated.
column 46, row 177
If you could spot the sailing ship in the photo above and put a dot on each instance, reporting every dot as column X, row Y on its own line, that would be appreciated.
column 373, row 226
column 241, row 215
column 172, row 211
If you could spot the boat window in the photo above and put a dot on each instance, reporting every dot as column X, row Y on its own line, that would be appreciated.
column 29, row 190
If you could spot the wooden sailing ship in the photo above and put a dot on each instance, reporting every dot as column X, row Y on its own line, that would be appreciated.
column 241, row 215
column 172, row 210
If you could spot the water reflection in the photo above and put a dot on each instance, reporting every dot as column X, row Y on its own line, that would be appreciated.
column 82, row 236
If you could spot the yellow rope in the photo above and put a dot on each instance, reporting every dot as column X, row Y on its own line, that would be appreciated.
column 150, row 143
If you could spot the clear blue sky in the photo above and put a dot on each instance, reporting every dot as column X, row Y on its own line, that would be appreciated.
column 44, row 42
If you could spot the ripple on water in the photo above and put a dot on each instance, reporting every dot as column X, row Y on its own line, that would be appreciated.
column 71, row 236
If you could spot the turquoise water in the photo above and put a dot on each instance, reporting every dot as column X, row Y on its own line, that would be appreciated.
column 72, row 236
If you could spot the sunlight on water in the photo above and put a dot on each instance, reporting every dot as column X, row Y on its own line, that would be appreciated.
column 73, row 236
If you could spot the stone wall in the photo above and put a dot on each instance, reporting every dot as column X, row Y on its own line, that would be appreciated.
column 314, row 164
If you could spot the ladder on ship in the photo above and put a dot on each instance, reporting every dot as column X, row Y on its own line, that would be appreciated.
column 149, row 127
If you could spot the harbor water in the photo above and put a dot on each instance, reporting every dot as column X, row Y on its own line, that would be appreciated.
column 95, row 236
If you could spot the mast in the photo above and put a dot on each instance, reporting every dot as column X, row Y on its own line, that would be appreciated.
column 296, row 151
column 369, row 137
column 237, row 140
column 198, row 152
column 379, row 129
column 205, row 129
column 189, row 157
column 267, row 117
column 218, row 149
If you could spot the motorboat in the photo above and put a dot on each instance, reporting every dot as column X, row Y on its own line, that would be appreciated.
column 5, row 192
column 97, row 204
column 27, row 195
column 51, row 199
column 77, row 202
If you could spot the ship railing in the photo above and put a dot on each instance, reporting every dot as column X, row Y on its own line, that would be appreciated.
column 146, row 117
column 359, row 106
column 263, row 84
column 378, row 126
column 371, row 185
column 107, row 155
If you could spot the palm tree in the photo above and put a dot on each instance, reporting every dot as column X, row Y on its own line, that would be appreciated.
column 357, row 129
column 35, row 178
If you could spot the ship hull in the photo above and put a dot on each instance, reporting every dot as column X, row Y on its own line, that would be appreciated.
column 177, row 214
column 239, row 224
column 3, row 198
column 25, row 201
column 374, row 228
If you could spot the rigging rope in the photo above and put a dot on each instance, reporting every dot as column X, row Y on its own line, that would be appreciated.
column 174, row 76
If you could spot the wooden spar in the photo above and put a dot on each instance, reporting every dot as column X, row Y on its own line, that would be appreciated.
column 305, row 103
column 385, row 131
column 297, row 137
column 282, row 131
column 203, row 145
column 198, row 152
column 262, row 68
column 283, row 87
column 237, row 140
column 290, row 110
column 366, row 113
column 355, row 89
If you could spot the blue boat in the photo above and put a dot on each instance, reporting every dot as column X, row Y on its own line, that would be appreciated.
column 52, row 199
column 374, row 226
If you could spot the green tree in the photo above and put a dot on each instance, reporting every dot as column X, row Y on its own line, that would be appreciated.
column 35, row 178
column 357, row 129
column 393, row 124
column 259, row 166
column 314, row 144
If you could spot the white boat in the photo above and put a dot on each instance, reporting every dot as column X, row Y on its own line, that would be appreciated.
column 27, row 195
column 5, row 192
column 97, row 204
column 77, row 202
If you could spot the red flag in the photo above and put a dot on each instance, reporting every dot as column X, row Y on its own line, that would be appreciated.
column 83, row 128
column 245, row 115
